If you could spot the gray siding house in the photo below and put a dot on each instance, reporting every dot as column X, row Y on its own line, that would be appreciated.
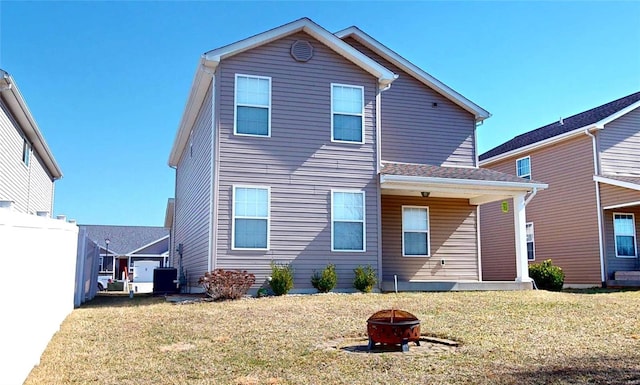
column 587, row 220
column 27, row 167
column 306, row 147
column 122, row 246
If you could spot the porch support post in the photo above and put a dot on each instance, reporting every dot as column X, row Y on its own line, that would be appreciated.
column 520, row 225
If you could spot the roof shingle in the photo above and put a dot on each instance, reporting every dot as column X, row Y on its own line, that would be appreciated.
column 124, row 239
column 468, row 173
column 569, row 124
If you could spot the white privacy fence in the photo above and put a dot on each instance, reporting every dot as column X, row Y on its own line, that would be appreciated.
column 38, row 284
column 86, row 269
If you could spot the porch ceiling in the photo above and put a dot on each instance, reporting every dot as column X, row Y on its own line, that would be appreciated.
column 477, row 185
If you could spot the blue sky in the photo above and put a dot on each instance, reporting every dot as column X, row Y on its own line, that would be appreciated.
column 107, row 82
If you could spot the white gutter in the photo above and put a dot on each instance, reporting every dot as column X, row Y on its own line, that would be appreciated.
column 530, row 197
column 530, row 147
column 598, row 205
column 18, row 106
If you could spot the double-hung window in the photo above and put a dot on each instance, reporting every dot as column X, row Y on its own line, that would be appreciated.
column 625, row 233
column 523, row 167
column 531, row 250
column 251, row 217
column 252, row 105
column 347, row 113
column 347, row 221
column 415, row 231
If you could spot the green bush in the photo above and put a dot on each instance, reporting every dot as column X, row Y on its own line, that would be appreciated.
column 365, row 278
column 281, row 278
column 325, row 281
column 547, row 276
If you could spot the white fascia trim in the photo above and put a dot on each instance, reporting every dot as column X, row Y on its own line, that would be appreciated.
column 168, row 213
column 542, row 143
column 622, row 205
column 149, row 244
column 619, row 183
column 500, row 185
column 198, row 90
column 23, row 116
column 306, row 25
column 618, row 114
column 479, row 112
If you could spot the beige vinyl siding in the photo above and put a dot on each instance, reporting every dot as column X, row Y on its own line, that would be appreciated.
column 413, row 130
column 298, row 162
column 613, row 195
column 615, row 263
column 30, row 187
column 452, row 227
column 192, row 200
column 619, row 145
column 564, row 215
column 497, row 240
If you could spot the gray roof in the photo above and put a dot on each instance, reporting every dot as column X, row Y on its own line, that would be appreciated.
column 124, row 239
column 468, row 173
column 569, row 124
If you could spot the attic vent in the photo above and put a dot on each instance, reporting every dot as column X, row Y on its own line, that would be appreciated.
column 301, row 50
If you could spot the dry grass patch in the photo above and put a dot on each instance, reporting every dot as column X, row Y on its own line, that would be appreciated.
column 531, row 337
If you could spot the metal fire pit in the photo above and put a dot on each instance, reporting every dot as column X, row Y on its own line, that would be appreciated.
column 393, row 327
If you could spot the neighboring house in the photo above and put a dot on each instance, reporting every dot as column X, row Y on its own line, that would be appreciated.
column 305, row 147
column 27, row 166
column 122, row 246
column 587, row 221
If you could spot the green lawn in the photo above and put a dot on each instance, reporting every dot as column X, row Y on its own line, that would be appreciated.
column 531, row 337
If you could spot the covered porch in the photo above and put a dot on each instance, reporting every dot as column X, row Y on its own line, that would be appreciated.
column 620, row 208
column 430, row 226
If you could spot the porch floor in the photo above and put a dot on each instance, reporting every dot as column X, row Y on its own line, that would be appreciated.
column 388, row 286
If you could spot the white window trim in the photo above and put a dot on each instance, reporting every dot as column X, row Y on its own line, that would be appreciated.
column 342, row 113
column 428, row 231
column 524, row 175
column 363, row 221
column 233, row 218
column 26, row 152
column 533, row 234
column 235, row 106
column 635, row 239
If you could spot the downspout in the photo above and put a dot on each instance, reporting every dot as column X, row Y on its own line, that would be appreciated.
column 210, row 262
column 530, row 197
column 598, row 206
column 381, row 89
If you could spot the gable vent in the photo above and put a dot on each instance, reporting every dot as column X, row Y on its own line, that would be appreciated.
column 301, row 50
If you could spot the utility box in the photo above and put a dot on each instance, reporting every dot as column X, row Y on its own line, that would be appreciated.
column 143, row 270
column 164, row 280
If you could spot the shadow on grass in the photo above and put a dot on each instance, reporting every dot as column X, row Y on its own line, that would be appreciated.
column 116, row 299
column 592, row 370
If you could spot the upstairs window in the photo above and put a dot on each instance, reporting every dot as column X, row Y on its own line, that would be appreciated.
column 26, row 152
column 415, row 231
column 347, row 117
column 253, row 105
column 251, row 218
column 531, row 249
column 523, row 167
column 625, row 232
column 347, row 221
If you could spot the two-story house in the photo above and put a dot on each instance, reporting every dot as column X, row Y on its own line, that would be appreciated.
column 306, row 147
column 586, row 221
column 27, row 167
